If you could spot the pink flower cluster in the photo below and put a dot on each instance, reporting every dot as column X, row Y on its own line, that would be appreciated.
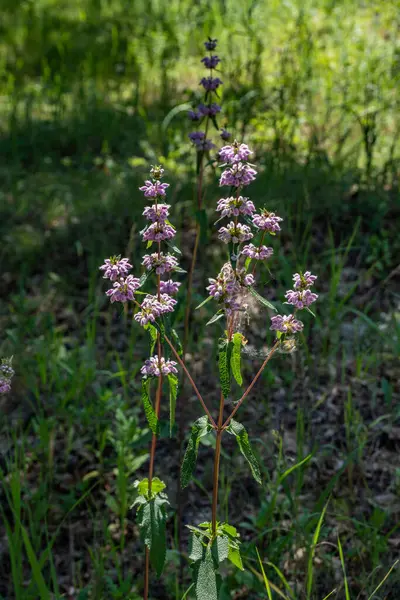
column 158, row 230
column 235, row 153
column 229, row 287
column 115, row 267
column 302, row 297
column 124, row 289
column 208, row 109
column 153, row 307
column 232, row 283
column 238, row 175
column 160, row 262
column 124, row 286
column 268, row 221
column 286, row 324
column 6, row 374
column 257, row 252
column 154, row 367
column 235, row 232
column 233, row 207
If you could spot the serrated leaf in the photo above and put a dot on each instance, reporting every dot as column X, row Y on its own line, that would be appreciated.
column 173, row 392
column 218, row 315
column 143, row 279
column 148, row 407
column 206, row 579
column 142, row 486
column 153, row 336
column 196, row 549
column 242, row 439
column 261, row 300
column 151, row 518
column 223, row 367
column 220, row 548
column 200, row 428
column 204, row 302
column 173, row 247
column 235, row 558
column 236, row 358
column 230, row 530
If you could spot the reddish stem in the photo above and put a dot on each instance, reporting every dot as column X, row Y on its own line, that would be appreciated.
column 247, row 392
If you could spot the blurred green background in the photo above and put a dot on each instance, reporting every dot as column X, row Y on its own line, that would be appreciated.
column 92, row 92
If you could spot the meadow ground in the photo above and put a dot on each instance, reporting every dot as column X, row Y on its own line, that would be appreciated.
column 92, row 93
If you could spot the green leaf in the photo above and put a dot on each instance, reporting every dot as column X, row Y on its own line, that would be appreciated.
column 235, row 558
column 206, row 579
column 35, row 566
column 218, row 315
column 204, row 302
column 230, row 530
column 151, row 518
column 310, row 562
column 242, row 439
column 173, row 392
column 220, row 548
column 153, row 336
column 148, row 407
column 261, row 300
column 236, row 358
column 265, row 578
column 200, row 428
column 142, row 486
column 143, row 279
column 177, row 341
column 223, row 366
column 173, row 247
column 196, row 548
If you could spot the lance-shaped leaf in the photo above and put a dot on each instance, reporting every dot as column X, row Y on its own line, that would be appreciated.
column 153, row 336
column 173, row 393
column 261, row 300
column 218, row 315
column 151, row 519
column 220, row 548
column 200, row 428
column 236, row 358
column 148, row 407
column 242, row 439
column 204, row 302
column 206, row 578
column 225, row 349
column 197, row 548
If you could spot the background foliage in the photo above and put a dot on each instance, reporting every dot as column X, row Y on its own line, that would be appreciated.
column 91, row 93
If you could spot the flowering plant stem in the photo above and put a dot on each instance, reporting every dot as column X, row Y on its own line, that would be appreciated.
column 152, row 457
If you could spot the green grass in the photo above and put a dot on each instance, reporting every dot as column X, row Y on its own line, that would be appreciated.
column 93, row 92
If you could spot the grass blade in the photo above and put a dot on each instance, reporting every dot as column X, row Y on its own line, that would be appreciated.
column 265, row 578
column 383, row 580
column 37, row 573
column 346, row 585
column 312, row 552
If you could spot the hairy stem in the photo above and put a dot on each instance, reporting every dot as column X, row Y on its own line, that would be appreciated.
column 153, row 449
column 247, row 392
column 217, row 457
column 194, row 386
